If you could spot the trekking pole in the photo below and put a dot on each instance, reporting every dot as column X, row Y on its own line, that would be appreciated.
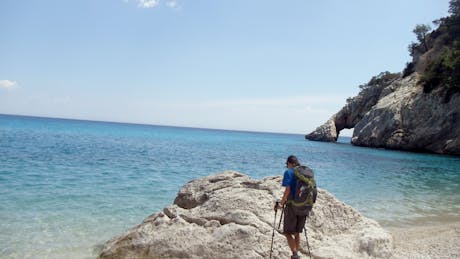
column 281, row 217
column 308, row 245
column 274, row 226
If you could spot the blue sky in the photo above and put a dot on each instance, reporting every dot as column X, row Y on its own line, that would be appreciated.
column 274, row 66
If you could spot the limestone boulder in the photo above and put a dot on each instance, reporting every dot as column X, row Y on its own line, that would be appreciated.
column 327, row 132
column 230, row 215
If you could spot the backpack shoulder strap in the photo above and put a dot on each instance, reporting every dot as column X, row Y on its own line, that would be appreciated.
column 303, row 173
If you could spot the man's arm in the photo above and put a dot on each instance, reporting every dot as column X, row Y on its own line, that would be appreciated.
column 286, row 194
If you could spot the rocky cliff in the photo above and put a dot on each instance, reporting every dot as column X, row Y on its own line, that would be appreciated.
column 230, row 215
column 418, row 110
column 398, row 114
column 352, row 113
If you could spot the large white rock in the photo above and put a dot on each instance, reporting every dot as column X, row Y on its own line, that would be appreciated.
column 230, row 215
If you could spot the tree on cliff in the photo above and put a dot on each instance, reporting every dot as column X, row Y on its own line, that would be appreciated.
column 417, row 48
column 421, row 31
column 454, row 7
column 384, row 78
column 444, row 69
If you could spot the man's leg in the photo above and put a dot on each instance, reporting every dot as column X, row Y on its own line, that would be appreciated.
column 290, row 225
column 291, row 242
column 300, row 220
column 297, row 241
column 292, row 239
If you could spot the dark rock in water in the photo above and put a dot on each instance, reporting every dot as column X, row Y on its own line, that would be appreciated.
column 230, row 215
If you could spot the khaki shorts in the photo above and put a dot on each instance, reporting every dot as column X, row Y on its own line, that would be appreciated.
column 292, row 223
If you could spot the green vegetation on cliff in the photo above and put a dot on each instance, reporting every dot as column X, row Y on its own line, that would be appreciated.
column 444, row 71
column 442, row 68
column 384, row 78
column 435, row 57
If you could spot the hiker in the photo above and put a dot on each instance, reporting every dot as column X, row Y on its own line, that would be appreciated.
column 293, row 224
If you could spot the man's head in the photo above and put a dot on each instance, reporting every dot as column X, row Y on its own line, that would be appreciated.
column 292, row 161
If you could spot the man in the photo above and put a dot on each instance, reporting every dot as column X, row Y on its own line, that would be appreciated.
column 293, row 224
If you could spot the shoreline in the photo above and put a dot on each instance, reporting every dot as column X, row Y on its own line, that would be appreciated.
column 427, row 238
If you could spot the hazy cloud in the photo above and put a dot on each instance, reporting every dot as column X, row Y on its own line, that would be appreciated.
column 148, row 3
column 289, row 114
column 320, row 102
column 171, row 4
column 8, row 84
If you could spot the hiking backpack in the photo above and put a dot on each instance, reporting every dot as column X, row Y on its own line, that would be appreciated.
column 305, row 190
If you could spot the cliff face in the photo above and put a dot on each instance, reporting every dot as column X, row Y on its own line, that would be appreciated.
column 399, row 115
column 230, row 215
column 418, row 111
column 355, row 109
column 410, row 119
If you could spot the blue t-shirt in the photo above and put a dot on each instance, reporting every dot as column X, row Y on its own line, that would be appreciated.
column 289, row 180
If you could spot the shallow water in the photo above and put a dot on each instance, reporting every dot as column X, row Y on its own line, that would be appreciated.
column 67, row 186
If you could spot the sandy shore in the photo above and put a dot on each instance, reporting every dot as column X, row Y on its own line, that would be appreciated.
column 428, row 240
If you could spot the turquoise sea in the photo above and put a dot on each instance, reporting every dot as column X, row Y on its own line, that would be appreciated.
column 66, row 186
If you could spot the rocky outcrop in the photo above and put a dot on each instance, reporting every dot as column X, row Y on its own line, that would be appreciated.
column 355, row 109
column 230, row 215
column 399, row 115
column 409, row 119
column 418, row 111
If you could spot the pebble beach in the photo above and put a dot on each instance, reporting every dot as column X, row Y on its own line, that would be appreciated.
column 431, row 240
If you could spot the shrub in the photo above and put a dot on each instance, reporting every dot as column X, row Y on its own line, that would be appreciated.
column 383, row 78
column 409, row 69
column 443, row 71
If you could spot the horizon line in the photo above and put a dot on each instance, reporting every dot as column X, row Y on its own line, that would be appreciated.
column 151, row 124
